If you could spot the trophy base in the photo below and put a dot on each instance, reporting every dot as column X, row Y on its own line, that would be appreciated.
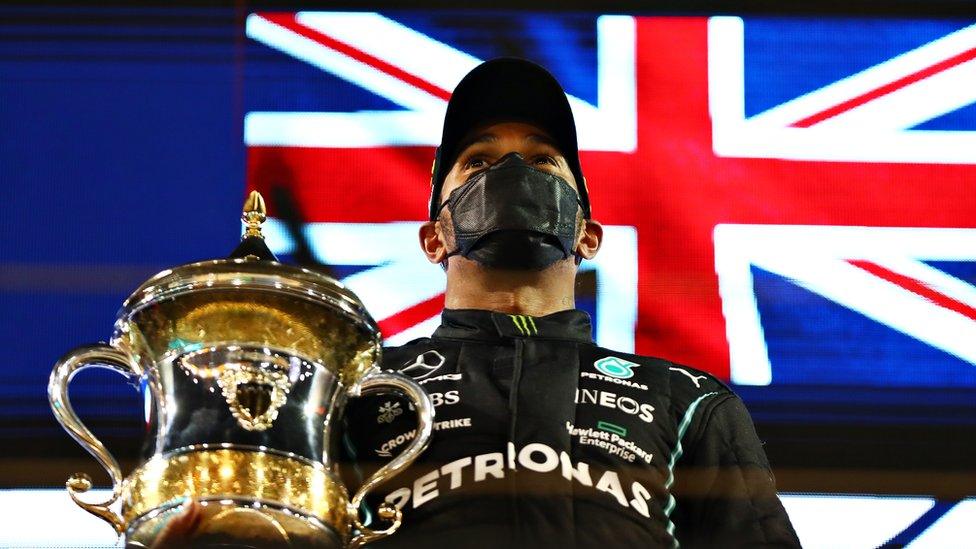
column 229, row 523
column 250, row 497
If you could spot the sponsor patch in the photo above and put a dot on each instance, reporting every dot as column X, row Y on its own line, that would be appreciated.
column 446, row 398
column 524, row 324
column 615, row 367
column 611, row 441
column 612, row 428
column 424, row 365
column 625, row 404
column 386, row 450
column 536, row 457
column 617, row 381
column 442, row 377
column 694, row 379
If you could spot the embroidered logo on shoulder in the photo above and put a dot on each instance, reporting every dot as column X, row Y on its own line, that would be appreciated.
column 612, row 369
column 615, row 367
column 424, row 365
column 694, row 379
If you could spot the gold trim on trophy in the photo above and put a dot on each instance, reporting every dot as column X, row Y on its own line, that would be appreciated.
column 228, row 317
column 294, row 483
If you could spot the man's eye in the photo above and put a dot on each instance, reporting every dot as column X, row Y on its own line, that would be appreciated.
column 544, row 160
column 475, row 162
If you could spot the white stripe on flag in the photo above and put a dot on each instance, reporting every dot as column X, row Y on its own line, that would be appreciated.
column 871, row 79
column 327, row 59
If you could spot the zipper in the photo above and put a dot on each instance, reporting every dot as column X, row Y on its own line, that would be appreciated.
column 513, row 411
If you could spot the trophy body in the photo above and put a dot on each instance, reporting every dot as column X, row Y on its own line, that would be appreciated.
column 245, row 366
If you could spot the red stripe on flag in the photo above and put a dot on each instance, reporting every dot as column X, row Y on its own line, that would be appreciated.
column 886, row 89
column 288, row 21
column 916, row 287
column 410, row 317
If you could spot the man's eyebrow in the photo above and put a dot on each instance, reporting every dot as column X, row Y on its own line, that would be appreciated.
column 475, row 139
column 488, row 137
column 543, row 139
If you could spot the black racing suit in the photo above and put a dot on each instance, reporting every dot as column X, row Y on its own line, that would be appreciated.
column 543, row 439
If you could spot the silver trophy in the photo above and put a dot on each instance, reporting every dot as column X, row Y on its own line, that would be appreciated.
column 245, row 365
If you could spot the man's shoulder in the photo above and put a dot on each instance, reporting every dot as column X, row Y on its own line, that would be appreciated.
column 691, row 397
column 683, row 383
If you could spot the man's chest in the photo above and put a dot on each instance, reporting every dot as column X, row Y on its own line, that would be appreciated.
column 539, row 406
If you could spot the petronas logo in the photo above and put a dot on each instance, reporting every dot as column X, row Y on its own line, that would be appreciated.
column 525, row 324
column 615, row 367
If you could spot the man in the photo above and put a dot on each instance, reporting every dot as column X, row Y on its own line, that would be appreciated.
column 544, row 439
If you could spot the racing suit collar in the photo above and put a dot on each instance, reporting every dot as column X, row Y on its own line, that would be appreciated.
column 475, row 324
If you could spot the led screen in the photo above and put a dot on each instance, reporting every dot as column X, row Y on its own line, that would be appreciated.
column 787, row 201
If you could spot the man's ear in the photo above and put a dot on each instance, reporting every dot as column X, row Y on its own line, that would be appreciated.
column 432, row 242
column 590, row 239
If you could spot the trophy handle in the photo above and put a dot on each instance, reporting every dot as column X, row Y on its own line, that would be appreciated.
column 374, row 382
column 101, row 356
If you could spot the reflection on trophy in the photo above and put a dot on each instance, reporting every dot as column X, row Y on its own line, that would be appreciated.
column 245, row 365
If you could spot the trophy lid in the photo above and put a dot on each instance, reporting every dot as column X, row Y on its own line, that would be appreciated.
column 251, row 266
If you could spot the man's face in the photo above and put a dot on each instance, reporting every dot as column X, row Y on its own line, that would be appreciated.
column 484, row 146
column 480, row 149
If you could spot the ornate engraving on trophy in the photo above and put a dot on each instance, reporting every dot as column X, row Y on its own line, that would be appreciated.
column 253, row 394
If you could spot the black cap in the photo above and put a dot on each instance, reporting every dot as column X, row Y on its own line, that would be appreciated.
column 507, row 88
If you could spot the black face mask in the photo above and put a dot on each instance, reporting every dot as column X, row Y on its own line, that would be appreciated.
column 514, row 216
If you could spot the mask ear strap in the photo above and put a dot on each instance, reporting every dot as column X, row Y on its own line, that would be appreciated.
column 584, row 191
column 577, row 257
column 436, row 182
column 440, row 209
column 449, row 255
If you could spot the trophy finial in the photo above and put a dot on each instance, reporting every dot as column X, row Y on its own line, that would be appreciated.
column 254, row 214
column 253, row 245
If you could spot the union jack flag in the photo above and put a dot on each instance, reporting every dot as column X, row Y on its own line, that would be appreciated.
column 786, row 201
